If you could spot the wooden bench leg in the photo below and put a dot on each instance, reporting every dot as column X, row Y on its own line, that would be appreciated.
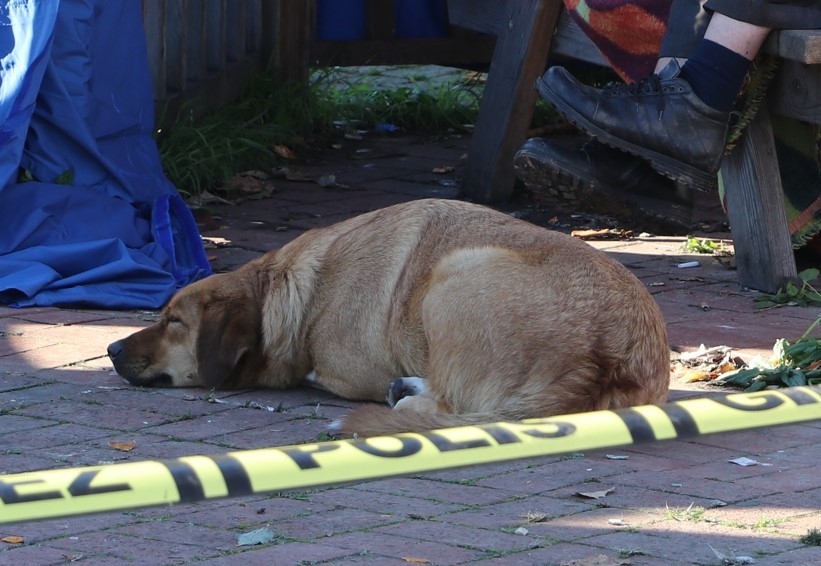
column 507, row 106
column 755, row 206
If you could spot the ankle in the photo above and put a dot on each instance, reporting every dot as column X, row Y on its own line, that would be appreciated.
column 715, row 74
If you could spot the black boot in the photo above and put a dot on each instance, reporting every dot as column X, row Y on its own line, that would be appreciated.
column 600, row 179
column 659, row 119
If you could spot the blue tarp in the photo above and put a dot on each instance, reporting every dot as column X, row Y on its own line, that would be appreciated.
column 100, row 225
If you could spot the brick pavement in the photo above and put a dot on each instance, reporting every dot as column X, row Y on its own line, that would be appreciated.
column 674, row 502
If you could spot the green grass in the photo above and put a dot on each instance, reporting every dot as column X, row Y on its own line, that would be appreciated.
column 812, row 538
column 203, row 153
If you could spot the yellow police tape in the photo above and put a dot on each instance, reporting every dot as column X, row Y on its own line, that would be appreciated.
column 63, row 493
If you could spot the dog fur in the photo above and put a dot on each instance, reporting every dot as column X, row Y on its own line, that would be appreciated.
column 504, row 320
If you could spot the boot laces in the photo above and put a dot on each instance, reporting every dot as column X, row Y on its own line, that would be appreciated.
column 650, row 85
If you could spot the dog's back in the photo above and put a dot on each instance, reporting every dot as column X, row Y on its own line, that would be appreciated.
column 507, row 320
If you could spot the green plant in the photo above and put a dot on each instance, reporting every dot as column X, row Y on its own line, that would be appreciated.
column 791, row 294
column 693, row 514
column 629, row 552
column 812, row 538
column 703, row 246
column 792, row 364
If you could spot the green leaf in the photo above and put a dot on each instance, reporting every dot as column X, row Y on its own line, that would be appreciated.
column 756, row 386
column 794, row 378
column 809, row 274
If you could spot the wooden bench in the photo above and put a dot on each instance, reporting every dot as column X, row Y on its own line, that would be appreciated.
column 528, row 31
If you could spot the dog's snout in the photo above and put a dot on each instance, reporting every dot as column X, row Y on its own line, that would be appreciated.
column 115, row 349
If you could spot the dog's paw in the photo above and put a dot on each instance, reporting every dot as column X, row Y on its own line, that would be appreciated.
column 406, row 387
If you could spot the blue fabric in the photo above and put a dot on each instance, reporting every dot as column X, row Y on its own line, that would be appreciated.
column 101, row 226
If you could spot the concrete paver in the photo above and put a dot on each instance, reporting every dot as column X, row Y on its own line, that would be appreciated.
column 676, row 502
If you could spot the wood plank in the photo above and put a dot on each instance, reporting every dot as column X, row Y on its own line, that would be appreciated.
column 216, row 31
column 295, row 36
column 486, row 16
column 796, row 92
column 432, row 51
column 154, row 25
column 380, row 17
column 571, row 42
column 755, row 206
column 196, row 54
column 509, row 98
column 803, row 46
column 176, row 41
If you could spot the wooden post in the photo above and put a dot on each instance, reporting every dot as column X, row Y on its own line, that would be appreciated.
column 297, row 22
column 755, row 206
column 520, row 56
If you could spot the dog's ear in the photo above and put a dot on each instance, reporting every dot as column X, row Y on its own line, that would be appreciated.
column 227, row 333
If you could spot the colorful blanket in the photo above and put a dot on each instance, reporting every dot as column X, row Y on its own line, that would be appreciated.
column 628, row 33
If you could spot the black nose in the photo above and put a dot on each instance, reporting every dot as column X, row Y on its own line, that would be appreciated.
column 115, row 349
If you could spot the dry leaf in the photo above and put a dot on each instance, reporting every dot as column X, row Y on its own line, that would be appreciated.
column 603, row 234
column 414, row 560
column 123, row 446
column 442, row 170
column 13, row 540
column 285, row 152
column 697, row 375
column 596, row 494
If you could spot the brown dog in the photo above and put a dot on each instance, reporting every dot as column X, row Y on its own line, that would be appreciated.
column 504, row 320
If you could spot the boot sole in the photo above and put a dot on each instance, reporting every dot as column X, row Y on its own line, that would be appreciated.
column 651, row 214
column 667, row 166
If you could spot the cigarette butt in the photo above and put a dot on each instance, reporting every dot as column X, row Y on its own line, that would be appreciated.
column 688, row 264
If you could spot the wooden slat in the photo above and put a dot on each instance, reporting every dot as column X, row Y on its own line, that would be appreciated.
column 380, row 16
column 432, row 51
column 509, row 98
column 176, row 41
column 235, row 39
column 216, row 32
column 803, row 46
column 295, row 33
column 796, row 92
column 196, row 54
column 154, row 25
column 486, row 16
column 755, row 206
column 570, row 41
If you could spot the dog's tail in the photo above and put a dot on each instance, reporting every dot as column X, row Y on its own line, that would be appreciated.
column 380, row 420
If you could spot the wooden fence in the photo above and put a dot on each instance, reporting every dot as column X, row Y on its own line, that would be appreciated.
column 203, row 52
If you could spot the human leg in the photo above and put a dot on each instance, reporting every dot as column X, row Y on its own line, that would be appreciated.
column 664, row 119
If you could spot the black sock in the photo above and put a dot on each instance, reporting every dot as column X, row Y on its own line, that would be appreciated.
column 716, row 74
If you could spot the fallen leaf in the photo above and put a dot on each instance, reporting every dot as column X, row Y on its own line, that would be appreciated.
column 414, row 560
column 443, row 169
column 122, row 446
column 285, row 152
column 13, row 540
column 603, row 234
column 258, row 536
column 697, row 375
column 596, row 494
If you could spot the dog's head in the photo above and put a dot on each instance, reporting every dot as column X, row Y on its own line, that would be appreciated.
column 206, row 335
